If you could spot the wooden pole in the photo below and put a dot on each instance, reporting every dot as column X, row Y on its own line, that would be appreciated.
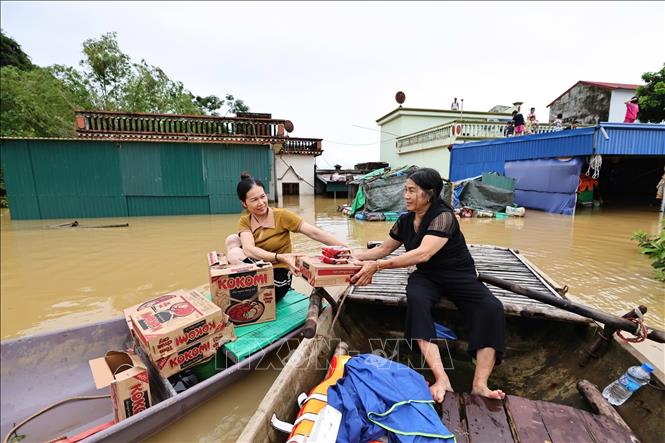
column 577, row 308
column 595, row 398
column 309, row 330
column 598, row 347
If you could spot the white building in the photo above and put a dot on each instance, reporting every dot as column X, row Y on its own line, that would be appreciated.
column 294, row 166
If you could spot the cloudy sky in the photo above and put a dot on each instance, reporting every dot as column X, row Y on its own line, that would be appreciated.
column 334, row 68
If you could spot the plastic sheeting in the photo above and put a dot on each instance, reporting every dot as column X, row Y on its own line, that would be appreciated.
column 546, row 184
column 478, row 195
column 385, row 194
column 556, row 202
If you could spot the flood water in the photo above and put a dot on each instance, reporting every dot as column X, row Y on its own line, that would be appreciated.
column 54, row 277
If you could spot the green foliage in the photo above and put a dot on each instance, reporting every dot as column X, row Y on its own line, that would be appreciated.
column 654, row 247
column 652, row 97
column 36, row 104
column 11, row 54
column 107, row 70
column 40, row 102
column 3, row 190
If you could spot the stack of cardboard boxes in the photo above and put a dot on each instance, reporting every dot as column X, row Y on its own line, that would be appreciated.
column 176, row 331
column 245, row 292
column 179, row 330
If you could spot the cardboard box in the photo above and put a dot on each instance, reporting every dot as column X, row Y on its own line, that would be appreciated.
column 246, row 292
column 319, row 274
column 193, row 355
column 128, row 311
column 128, row 381
column 175, row 321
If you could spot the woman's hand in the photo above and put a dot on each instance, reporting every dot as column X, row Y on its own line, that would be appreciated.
column 364, row 276
column 290, row 261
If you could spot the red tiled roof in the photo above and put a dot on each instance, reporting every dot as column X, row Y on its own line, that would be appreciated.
column 605, row 85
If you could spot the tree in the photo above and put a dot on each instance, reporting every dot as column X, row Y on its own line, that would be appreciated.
column 652, row 97
column 36, row 104
column 107, row 70
column 40, row 102
column 11, row 54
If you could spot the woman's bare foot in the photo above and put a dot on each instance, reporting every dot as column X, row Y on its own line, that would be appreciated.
column 484, row 391
column 439, row 390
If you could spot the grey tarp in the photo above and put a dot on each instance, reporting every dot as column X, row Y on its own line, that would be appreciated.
column 385, row 194
column 478, row 195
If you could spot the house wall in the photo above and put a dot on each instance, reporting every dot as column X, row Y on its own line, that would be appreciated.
column 586, row 104
column 295, row 168
column 618, row 105
column 69, row 178
column 407, row 121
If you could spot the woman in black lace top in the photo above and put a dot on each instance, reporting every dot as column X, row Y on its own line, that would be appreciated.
column 434, row 243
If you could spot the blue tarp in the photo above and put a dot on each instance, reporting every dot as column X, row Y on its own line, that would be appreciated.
column 377, row 396
column 546, row 184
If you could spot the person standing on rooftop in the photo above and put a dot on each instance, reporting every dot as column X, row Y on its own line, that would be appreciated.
column 454, row 106
column 632, row 108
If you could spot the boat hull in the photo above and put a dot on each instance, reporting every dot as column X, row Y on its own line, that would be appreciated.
column 40, row 370
column 541, row 363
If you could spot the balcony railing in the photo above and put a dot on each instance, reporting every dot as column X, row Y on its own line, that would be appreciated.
column 105, row 124
column 457, row 130
column 307, row 146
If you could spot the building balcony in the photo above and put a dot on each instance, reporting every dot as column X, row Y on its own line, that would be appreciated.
column 303, row 146
column 456, row 131
column 173, row 127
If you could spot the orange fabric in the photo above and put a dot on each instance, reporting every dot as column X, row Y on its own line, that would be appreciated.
column 314, row 406
column 586, row 183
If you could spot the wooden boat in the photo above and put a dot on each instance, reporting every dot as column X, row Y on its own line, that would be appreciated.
column 546, row 364
column 40, row 370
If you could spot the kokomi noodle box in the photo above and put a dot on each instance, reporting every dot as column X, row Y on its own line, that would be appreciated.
column 245, row 292
column 175, row 322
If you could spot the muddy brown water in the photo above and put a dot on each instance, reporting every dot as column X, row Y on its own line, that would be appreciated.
column 54, row 277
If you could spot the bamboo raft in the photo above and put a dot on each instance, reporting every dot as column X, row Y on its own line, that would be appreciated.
column 389, row 285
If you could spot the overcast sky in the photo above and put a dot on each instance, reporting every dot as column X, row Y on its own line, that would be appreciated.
column 331, row 67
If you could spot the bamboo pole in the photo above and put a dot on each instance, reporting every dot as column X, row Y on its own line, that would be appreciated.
column 309, row 330
column 577, row 308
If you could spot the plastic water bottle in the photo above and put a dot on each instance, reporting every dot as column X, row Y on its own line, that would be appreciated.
column 617, row 392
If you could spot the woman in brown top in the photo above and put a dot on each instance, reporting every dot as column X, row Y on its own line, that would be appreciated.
column 265, row 234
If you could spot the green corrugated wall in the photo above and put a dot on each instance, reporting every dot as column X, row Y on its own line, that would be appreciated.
column 82, row 178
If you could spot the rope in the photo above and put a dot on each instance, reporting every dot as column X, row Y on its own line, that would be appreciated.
column 595, row 162
column 642, row 330
column 48, row 408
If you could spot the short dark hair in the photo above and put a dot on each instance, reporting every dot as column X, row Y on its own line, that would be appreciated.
column 246, row 183
column 559, row 115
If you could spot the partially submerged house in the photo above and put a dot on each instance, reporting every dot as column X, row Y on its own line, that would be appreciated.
column 425, row 137
column 590, row 102
column 628, row 160
column 124, row 164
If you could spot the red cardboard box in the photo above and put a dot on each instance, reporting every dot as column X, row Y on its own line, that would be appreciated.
column 245, row 292
column 175, row 321
column 193, row 355
column 320, row 274
column 128, row 381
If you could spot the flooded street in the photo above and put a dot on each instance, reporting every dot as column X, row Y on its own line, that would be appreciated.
column 55, row 278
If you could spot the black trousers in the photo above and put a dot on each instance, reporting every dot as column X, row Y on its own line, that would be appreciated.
column 472, row 298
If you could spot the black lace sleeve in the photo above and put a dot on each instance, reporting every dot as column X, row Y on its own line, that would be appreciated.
column 442, row 225
column 395, row 231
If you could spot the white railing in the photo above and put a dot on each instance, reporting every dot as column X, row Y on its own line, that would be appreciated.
column 448, row 133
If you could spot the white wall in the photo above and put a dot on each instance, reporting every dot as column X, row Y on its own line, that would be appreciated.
column 302, row 165
column 617, row 105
